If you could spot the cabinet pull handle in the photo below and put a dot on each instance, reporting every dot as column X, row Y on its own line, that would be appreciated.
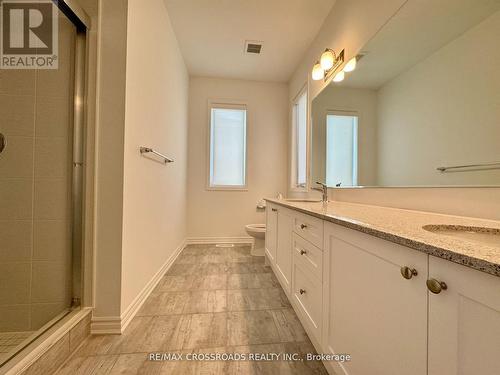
column 303, row 226
column 436, row 286
column 3, row 142
column 408, row 272
column 274, row 209
column 302, row 291
column 302, row 252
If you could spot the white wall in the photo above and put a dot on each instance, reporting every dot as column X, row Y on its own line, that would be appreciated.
column 443, row 111
column 109, row 156
column 364, row 103
column 225, row 213
column 154, row 196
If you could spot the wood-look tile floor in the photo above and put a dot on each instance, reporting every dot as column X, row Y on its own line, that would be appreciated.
column 212, row 300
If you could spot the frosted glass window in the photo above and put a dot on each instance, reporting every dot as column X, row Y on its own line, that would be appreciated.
column 341, row 150
column 228, row 147
column 300, row 130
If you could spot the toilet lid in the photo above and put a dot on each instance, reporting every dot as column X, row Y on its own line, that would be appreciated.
column 257, row 227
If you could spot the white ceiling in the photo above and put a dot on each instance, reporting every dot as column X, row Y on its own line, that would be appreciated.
column 212, row 34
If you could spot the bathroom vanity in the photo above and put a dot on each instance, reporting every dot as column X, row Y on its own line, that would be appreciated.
column 371, row 282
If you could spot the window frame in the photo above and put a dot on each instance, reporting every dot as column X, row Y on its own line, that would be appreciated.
column 294, row 187
column 225, row 104
column 352, row 113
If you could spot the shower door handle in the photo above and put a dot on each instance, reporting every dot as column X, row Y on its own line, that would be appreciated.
column 3, row 142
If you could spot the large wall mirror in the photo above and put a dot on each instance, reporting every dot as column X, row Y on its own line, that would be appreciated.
column 423, row 102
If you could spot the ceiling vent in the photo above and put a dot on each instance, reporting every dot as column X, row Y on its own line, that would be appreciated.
column 252, row 46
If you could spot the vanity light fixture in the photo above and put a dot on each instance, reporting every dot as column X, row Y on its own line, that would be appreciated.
column 317, row 72
column 339, row 77
column 351, row 65
column 327, row 65
column 327, row 59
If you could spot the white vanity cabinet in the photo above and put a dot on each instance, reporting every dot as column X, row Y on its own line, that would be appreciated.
column 283, row 262
column 279, row 228
column 271, row 231
column 464, row 321
column 307, row 284
column 370, row 310
column 370, row 298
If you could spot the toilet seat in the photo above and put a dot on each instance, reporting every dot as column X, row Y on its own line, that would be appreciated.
column 258, row 228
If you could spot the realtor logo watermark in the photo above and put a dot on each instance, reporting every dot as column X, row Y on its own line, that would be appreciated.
column 29, row 34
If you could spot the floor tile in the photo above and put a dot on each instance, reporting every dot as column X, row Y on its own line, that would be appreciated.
column 205, row 301
column 240, row 267
column 280, row 366
column 136, row 363
column 178, row 269
column 191, row 282
column 289, row 327
column 164, row 304
column 200, row 331
column 256, row 299
column 251, row 327
column 252, row 280
column 96, row 345
column 206, row 269
column 147, row 334
column 242, row 255
column 188, row 302
column 95, row 365
column 212, row 299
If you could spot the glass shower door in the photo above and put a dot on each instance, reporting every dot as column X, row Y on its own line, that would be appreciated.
column 36, row 196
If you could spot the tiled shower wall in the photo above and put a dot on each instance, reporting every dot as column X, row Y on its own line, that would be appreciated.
column 35, row 191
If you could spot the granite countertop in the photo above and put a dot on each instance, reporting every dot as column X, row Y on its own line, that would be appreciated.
column 404, row 227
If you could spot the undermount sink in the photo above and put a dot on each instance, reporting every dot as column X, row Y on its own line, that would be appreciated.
column 483, row 235
column 305, row 200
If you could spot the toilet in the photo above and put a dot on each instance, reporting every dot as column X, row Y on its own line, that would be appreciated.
column 258, row 232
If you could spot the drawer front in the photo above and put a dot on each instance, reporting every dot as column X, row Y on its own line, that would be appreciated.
column 310, row 228
column 308, row 256
column 307, row 295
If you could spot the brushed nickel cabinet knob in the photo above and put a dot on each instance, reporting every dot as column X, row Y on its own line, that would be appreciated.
column 3, row 142
column 436, row 286
column 408, row 272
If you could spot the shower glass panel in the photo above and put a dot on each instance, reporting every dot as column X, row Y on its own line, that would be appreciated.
column 36, row 192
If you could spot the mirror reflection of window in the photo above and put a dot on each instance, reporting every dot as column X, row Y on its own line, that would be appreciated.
column 341, row 150
column 300, row 140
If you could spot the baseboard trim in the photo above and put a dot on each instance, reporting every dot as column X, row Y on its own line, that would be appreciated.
column 212, row 240
column 106, row 325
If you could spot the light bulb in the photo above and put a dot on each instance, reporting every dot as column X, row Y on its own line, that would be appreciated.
column 327, row 59
column 339, row 77
column 317, row 72
column 351, row 65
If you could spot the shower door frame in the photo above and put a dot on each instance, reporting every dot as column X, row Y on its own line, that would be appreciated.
column 76, row 15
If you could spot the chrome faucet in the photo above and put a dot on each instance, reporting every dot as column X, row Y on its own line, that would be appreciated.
column 323, row 189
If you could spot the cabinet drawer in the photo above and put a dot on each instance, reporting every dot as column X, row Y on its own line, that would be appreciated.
column 308, row 256
column 307, row 295
column 310, row 228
